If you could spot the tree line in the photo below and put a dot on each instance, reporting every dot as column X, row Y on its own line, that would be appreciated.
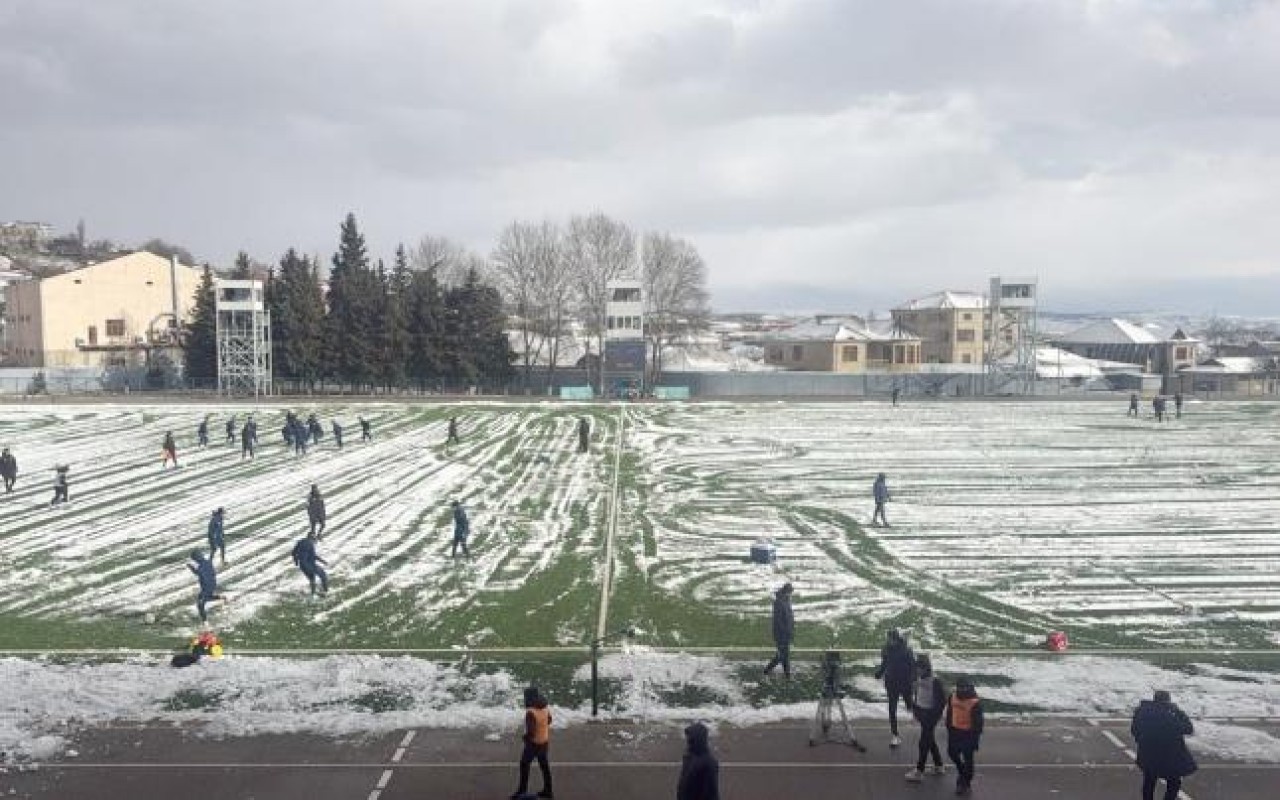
column 441, row 313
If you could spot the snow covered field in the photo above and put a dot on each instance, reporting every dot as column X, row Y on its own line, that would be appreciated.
column 1010, row 519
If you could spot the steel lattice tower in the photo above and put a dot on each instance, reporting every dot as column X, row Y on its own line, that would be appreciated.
column 244, row 337
column 1011, row 336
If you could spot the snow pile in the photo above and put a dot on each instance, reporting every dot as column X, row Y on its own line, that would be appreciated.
column 1234, row 742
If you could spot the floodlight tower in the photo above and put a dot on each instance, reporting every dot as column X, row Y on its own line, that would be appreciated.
column 243, row 330
column 1011, row 335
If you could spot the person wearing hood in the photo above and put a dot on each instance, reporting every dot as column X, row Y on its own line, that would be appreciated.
column 461, row 530
column 537, row 743
column 315, row 512
column 217, row 541
column 784, row 629
column 203, row 569
column 898, row 670
column 927, row 700
column 699, row 770
column 1159, row 728
column 964, row 731
column 8, row 470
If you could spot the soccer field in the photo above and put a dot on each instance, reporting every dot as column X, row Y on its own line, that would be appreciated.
column 1009, row 519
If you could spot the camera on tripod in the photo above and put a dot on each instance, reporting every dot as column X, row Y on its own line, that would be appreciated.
column 832, row 687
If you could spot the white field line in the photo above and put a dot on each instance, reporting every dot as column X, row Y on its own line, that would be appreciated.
column 606, row 582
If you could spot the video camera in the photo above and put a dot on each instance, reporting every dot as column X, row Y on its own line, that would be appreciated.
column 831, row 683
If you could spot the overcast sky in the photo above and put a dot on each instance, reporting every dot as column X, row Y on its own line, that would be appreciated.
column 822, row 154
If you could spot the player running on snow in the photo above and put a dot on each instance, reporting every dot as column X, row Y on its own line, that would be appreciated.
column 169, row 450
column 366, row 430
column 307, row 560
column 203, row 569
column 231, row 429
column 8, row 470
column 202, row 432
column 315, row 511
column 461, row 530
column 337, row 433
column 217, row 541
column 880, row 492
column 60, row 484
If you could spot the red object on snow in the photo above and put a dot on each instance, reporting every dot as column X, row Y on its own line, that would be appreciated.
column 1056, row 642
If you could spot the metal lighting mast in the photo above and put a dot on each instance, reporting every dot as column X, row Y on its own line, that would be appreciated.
column 243, row 329
column 1011, row 336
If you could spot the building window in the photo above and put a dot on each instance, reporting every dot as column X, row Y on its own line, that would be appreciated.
column 1180, row 354
column 849, row 353
column 93, row 334
column 797, row 352
column 115, row 328
column 966, row 359
column 965, row 335
column 966, row 316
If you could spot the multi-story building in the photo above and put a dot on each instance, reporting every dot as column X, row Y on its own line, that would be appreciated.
column 951, row 326
column 843, row 347
column 107, row 314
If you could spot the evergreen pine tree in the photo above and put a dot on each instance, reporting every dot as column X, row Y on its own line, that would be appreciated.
column 424, row 316
column 352, row 322
column 199, row 337
column 395, row 327
column 243, row 269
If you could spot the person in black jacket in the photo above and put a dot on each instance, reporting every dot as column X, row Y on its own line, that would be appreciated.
column 169, row 451
column 699, row 771
column 1159, row 727
column 784, row 629
column 315, row 512
column 8, row 470
column 202, row 432
column 898, row 669
column 928, row 698
column 964, row 731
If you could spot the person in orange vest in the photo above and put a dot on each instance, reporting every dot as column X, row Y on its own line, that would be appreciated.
column 964, row 730
column 537, row 741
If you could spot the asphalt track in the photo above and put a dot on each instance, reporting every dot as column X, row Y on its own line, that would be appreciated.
column 1054, row 758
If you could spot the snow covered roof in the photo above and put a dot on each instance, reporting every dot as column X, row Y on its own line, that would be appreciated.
column 837, row 332
column 1231, row 365
column 1111, row 331
column 945, row 299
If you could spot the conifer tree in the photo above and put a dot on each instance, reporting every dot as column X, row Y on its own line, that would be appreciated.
column 297, row 318
column 243, row 269
column 352, row 322
column 199, row 342
column 424, row 316
column 394, row 338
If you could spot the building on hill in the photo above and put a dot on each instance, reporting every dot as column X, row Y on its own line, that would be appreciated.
column 951, row 326
column 840, row 347
column 108, row 314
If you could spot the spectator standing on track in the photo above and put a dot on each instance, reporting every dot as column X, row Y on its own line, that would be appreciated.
column 169, row 451
column 898, row 669
column 337, row 433
column 880, row 492
column 964, row 731
column 1157, row 407
column 1159, row 728
column 1177, row 404
column 1133, row 404
column 8, row 470
column 60, row 485
column 203, row 569
column 584, row 435
column 699, row 770
column 366, row 430
column 308, row 560
column 452, row 438
column 231, row 429
column 461, row 530
column 537, row 743
column 784, row 630
column 217, row 539
column 202, row 432
column 896, row 394
column 315, row 512
column 928, row 698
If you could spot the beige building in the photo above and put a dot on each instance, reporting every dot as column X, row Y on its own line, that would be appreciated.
column 839, row 347
column 951, row 326
column 107, row 314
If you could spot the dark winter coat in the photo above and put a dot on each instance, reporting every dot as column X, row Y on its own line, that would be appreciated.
column 897, row 664
column 8, row 466
column 305, row 555
column 1159, row 728
column 699, row 771
column 169, row 443
column 215, row 527
column 461, row 525
column 880, row 491
column 315, row 507
column 784, row 621
column 203, row 569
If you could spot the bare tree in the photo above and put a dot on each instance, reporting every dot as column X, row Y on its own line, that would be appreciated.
column 451, row 260
column 518, row 258
column 599, row 250
column 675, row 292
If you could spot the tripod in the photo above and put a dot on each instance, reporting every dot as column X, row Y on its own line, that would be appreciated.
column 832, row 699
